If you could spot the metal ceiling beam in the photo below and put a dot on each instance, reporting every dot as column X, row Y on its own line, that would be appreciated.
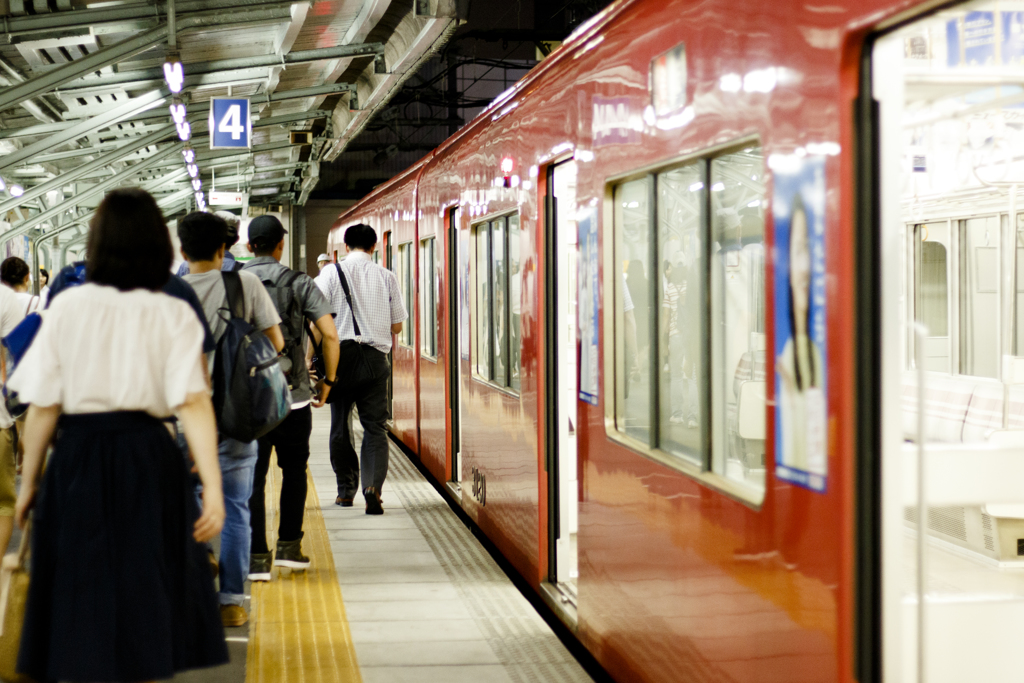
column 221, row 66
column 270, row 182
column 196, row 108
column 92, row 18
column 29, row 223
column 126, row 48
column 83, row 170
column 133, row 106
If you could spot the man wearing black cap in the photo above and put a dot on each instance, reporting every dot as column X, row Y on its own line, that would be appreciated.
column 297, row 299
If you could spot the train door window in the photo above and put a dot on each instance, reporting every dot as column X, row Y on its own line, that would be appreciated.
column 497, row 290
column 428, row 299
column 635, row 316
column 737, row 319
column 979, row 296
column 406, row 337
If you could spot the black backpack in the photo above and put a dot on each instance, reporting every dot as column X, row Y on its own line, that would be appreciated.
column 250, row 392
column 283, row 295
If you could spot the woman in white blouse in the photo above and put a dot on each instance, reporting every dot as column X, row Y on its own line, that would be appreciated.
column 120, row 589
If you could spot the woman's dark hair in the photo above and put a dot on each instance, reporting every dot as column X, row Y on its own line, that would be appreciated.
column 13, row 271
column 44, row 276
column 360, row 236
column 129, row 245
column 801, row 381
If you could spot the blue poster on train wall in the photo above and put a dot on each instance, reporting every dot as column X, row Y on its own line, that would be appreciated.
column 801, row 360
column 587, row 303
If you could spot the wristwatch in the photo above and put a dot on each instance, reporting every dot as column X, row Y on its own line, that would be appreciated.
column 330, row 382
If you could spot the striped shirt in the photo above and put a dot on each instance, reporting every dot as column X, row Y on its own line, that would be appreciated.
column 375, row 295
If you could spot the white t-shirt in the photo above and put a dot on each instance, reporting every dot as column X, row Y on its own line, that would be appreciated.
column 11, row 313
column 28, row 302
column 101, row 350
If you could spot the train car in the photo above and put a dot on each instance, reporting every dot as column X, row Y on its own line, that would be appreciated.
column 709, row 307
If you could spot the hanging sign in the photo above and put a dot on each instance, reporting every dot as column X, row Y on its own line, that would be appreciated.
column 230, row 123
column 219, row 198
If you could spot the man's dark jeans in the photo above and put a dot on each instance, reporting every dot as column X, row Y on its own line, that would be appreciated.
column 291, row 440
column 371, row 398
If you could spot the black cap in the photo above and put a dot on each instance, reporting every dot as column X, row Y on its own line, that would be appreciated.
column 266, row 230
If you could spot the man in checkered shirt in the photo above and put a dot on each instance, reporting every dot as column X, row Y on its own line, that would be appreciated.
column 379, row 313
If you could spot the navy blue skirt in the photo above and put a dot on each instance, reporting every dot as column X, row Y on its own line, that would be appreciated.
column 119, row 590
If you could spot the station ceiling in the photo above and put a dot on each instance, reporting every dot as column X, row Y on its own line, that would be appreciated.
column 84, row 106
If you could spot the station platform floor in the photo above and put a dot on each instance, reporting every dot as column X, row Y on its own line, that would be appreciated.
column 407, row 597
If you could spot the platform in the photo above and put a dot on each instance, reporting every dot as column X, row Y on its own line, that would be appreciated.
column 407, row 597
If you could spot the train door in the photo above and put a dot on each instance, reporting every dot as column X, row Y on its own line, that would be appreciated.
column 562, row 387
column 458, row 332
column 948, row 392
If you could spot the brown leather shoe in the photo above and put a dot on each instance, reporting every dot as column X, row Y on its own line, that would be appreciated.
column 233, row 615
column 343, row 502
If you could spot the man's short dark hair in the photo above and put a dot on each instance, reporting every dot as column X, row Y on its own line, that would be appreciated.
column 129, row 245
column 13, row 271
column 201, row 235
column 360, row 236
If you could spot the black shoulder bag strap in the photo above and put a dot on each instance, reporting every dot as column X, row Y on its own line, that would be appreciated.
column 235, row 295
column 348, row 296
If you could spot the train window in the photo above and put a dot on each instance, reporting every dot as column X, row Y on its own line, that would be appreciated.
column 405, row 338
column 681, row 273
column 689, row 379
column 428, row 299
column 737, row 204
column 482, row 329
column 515, row 288
column 979, row 296
column 498, row 287
column 634, row 318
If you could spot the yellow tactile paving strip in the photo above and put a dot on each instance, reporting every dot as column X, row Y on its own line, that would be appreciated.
column 299, row 631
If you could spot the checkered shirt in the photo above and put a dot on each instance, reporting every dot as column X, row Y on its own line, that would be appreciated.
column 375, row 295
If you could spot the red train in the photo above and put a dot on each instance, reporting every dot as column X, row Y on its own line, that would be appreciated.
column 661, row 292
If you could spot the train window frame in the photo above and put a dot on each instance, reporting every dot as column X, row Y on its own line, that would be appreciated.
column 703, row 471
column 484, row 267
column 428, row 287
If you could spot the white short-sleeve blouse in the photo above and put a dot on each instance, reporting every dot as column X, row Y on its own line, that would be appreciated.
column 100, row 350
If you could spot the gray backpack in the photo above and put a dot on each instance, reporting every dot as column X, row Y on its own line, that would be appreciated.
column 283, row 295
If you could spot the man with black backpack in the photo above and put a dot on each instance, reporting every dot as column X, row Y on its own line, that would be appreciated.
column 202, row 244
column 298, row 300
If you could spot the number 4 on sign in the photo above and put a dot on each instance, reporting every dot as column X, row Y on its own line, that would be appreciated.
column 231, row 122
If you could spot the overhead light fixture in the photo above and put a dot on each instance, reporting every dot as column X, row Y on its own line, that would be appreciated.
column 17, row 190
column 174, row 74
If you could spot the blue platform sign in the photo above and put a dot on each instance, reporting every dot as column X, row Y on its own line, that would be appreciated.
column 230, row 123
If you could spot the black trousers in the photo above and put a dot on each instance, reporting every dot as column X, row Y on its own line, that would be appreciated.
column 291, row 440
column 371, row 398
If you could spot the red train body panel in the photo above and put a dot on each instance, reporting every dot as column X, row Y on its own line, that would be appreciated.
column 677, row 580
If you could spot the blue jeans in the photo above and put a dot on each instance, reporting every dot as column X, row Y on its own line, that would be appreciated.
column 237, row 465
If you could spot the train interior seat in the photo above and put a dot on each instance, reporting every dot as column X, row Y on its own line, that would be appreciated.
column 964, row 410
